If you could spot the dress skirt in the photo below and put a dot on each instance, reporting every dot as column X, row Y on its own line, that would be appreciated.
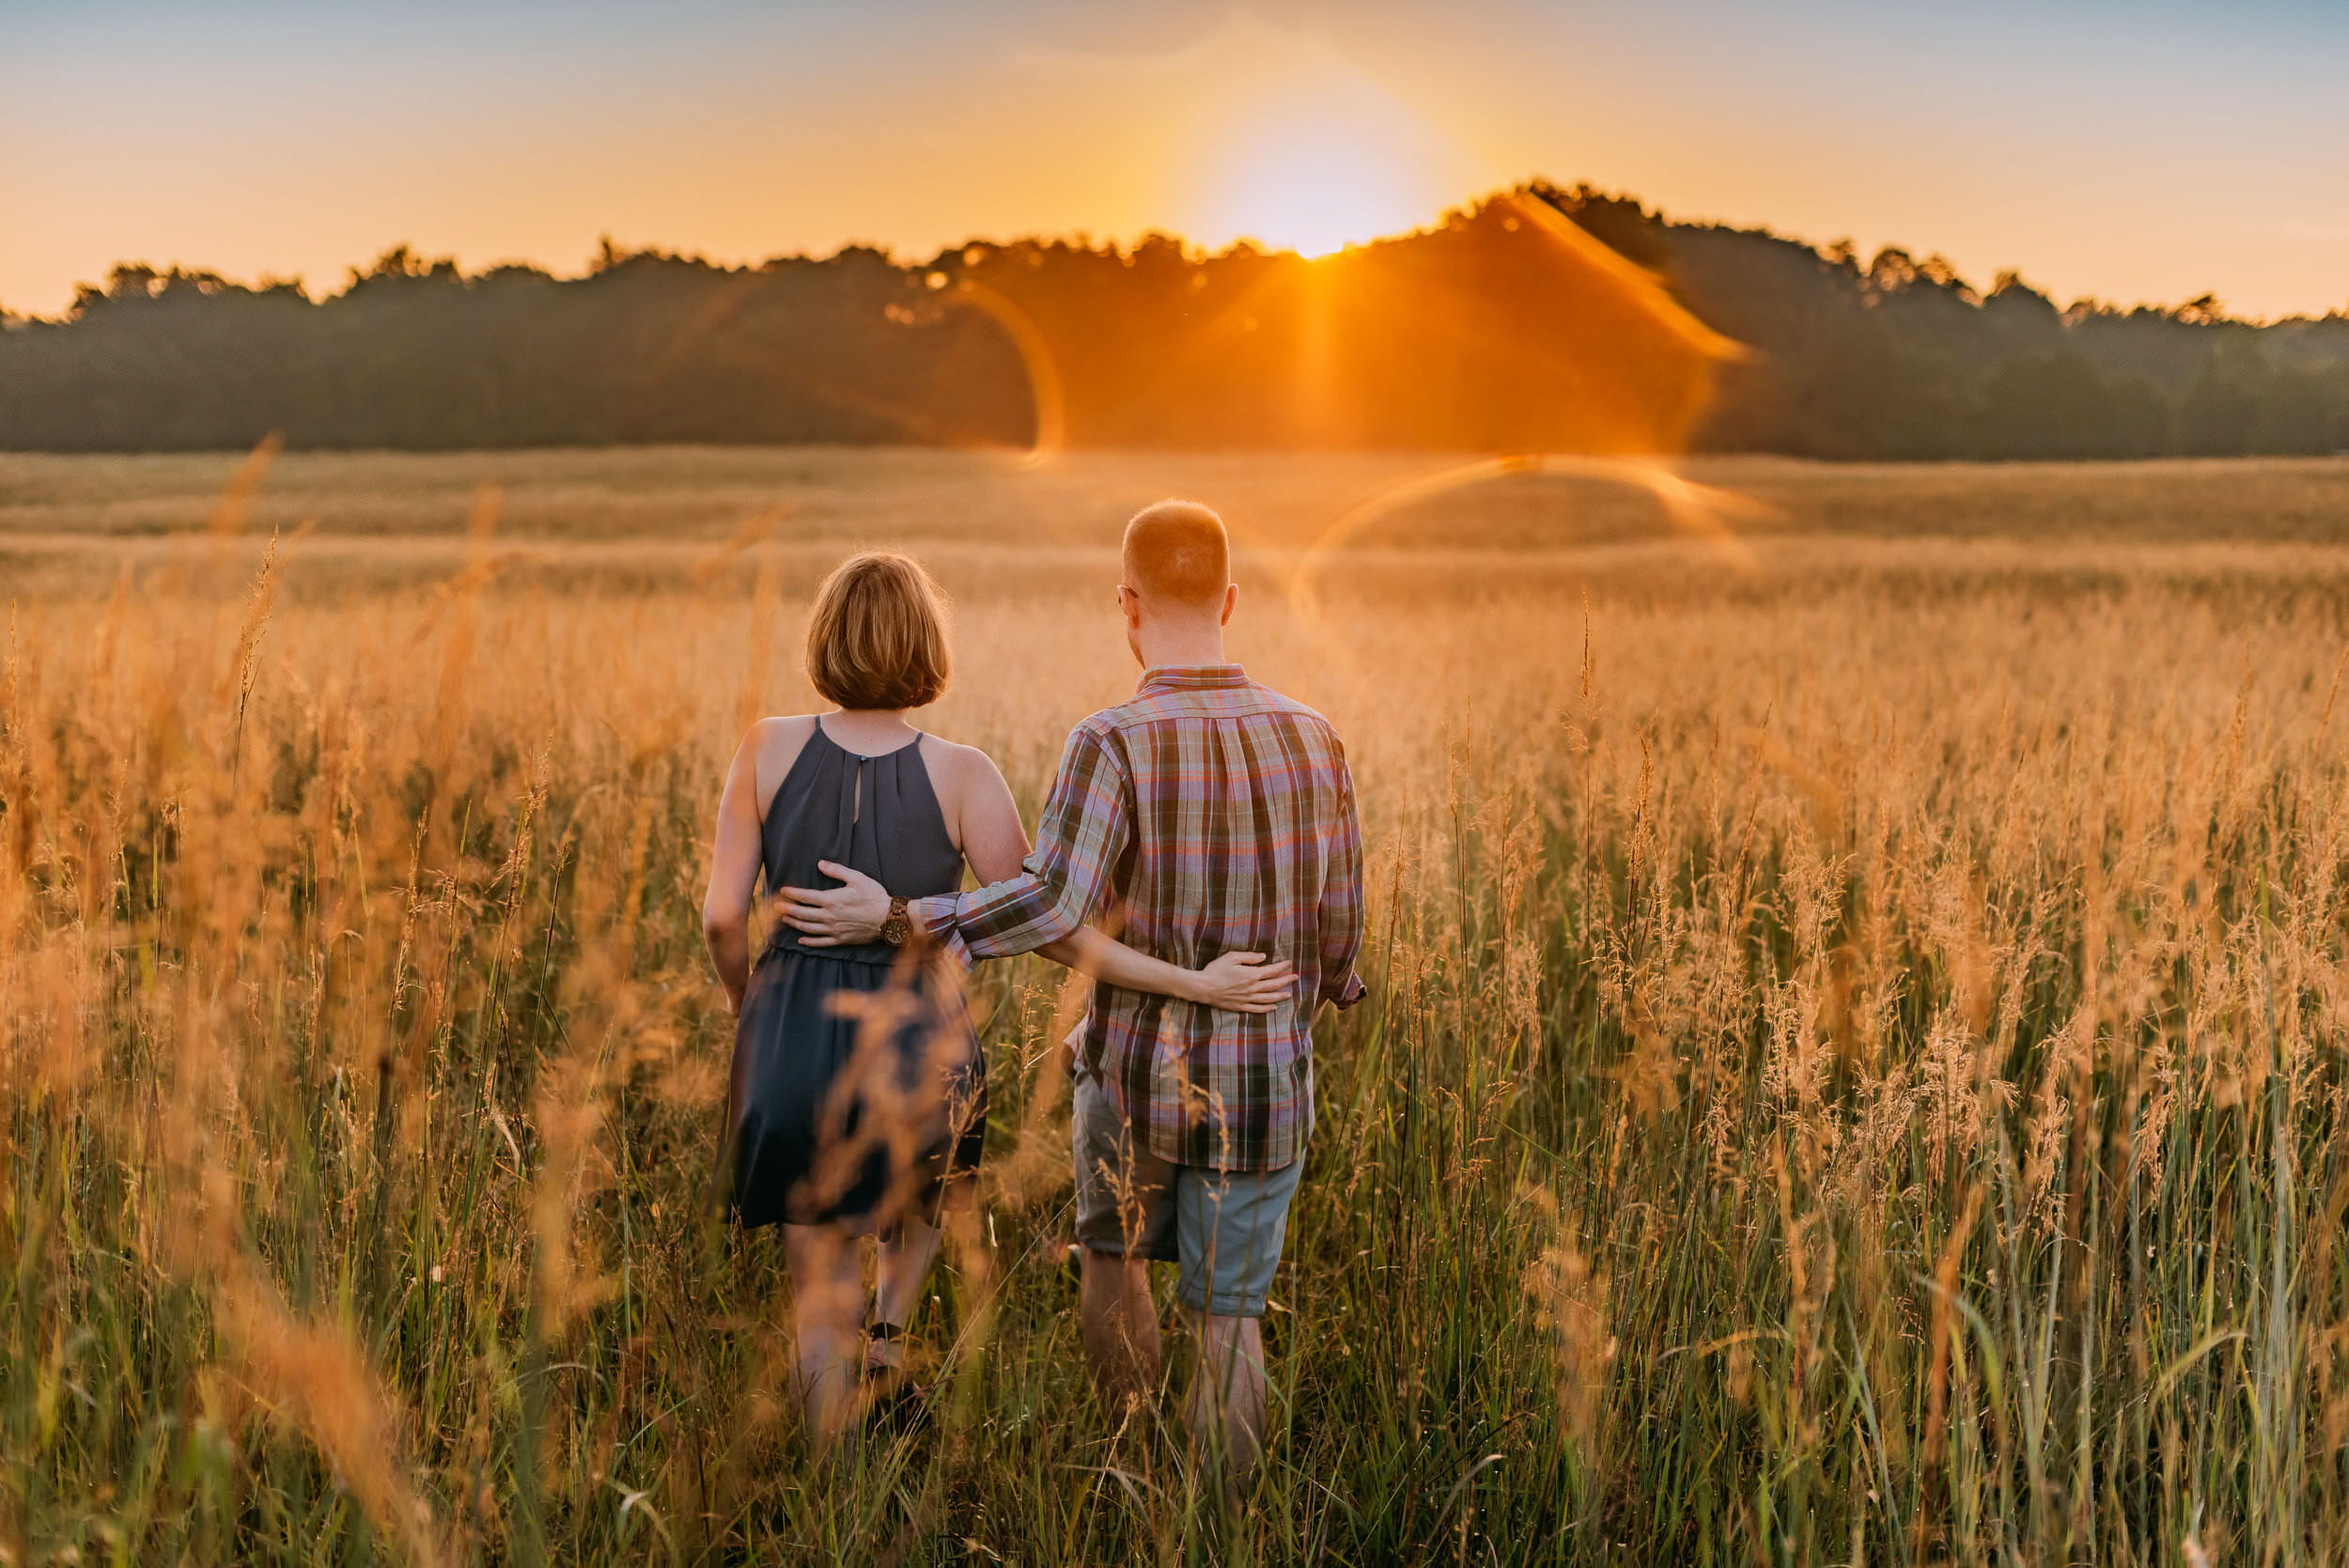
column 858, row 1097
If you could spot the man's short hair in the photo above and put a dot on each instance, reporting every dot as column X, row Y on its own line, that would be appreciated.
column 1178, row 552
column 876, row 638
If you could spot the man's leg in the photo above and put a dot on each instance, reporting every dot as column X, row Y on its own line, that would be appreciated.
column 1230, row 1226
column 1125, row 1218
column 1121, row 1327
column 1227, row 1388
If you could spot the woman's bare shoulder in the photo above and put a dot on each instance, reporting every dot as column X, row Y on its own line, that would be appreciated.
column 938, row 753
column 775, row 744
column 956, row 771
column 779, row 733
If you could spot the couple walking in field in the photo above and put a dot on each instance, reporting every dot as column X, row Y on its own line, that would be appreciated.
column 1210, row 821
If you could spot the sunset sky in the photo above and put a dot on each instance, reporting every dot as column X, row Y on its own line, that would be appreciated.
column 2145, row 152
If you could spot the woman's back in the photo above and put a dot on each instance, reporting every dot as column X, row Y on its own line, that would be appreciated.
column 878, row 813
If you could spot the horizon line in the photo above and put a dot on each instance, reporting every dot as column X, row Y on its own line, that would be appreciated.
column 610, row 256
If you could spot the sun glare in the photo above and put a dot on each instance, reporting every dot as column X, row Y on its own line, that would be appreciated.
column 1299, row 148
column 1314, row 190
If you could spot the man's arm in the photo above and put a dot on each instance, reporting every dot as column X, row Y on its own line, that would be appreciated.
column 1082, row 833
column 1086, row 825
column 1340, row 919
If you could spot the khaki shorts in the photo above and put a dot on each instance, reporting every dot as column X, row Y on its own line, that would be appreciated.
column 1219, row 1227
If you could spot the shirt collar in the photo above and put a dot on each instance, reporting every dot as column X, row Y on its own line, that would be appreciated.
column 1191, row 677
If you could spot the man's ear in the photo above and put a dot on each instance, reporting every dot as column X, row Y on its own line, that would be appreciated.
column 1231, row 602
column 1130, row 605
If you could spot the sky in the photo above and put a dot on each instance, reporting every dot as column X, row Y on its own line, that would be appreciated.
column 2131, row 150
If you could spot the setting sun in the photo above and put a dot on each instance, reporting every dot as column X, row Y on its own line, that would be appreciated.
column 1316, row 190
column 1302, row 149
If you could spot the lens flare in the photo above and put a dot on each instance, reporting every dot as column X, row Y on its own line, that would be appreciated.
column 1331, row 354
column 1035, row 354
column 1704, row 512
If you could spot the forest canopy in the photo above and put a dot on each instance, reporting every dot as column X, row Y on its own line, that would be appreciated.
column 1501, row 328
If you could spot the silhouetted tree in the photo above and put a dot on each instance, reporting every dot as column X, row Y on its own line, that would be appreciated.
column 2055, row 405
column 1484, row 331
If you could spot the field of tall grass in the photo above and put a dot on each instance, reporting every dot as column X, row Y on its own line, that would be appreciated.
column 1853, row 1070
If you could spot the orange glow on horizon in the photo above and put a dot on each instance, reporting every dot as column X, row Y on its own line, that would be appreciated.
column 803, row 130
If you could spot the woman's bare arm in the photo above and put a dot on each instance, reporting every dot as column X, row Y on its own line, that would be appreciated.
column 734, row 873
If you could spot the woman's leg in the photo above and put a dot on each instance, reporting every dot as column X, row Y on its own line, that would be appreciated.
column 828, row 1292
column 903, row 1263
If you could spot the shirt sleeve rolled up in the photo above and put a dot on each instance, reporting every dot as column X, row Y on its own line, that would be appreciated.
column 1085, row 827
column 1340, row 918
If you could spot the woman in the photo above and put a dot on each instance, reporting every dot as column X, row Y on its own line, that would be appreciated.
column 858, row 1098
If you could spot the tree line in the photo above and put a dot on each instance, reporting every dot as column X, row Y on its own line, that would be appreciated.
column 1505, row 327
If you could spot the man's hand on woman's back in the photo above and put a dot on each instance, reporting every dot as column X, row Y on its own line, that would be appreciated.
column 835, row 917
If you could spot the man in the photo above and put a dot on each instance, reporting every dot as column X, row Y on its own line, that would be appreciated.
column 1209, row 814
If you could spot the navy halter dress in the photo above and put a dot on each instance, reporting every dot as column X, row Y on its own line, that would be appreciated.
column 858, row 1090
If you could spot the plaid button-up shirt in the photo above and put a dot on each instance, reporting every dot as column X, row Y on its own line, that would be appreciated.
column 1207, row 815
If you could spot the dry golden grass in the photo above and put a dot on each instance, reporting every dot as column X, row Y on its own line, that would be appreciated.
column 1854, row 1072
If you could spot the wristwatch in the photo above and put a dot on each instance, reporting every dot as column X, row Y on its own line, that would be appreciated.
column 898, row 926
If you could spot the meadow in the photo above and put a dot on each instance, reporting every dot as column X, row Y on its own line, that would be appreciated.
column 1853, row 1071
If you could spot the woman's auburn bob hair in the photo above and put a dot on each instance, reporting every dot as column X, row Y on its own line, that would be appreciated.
column 876, row 638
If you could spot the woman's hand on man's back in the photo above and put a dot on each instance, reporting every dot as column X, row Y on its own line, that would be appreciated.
column 1245, row 983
